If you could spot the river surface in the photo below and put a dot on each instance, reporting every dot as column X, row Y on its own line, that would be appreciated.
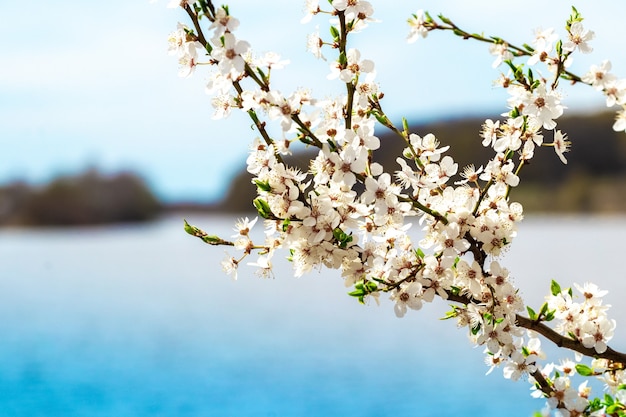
column 141, row 321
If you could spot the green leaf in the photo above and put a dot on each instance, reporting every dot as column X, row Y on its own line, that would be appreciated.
column 555, row 288
column 263, row 185
column 382, row 119
column 362, row 289
column 531, row 313
column 356, row 293
column 405, row 126
column 262, row 208
column 458, row 32
column 262, row 74
column 189, row 228
column 451, row 314
column 212, row 239
column 584, row 370
column 445, row 19
column 343, row 60
column 488, row 317
column 334, row 32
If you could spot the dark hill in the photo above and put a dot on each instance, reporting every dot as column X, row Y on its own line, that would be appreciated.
column 85, row 199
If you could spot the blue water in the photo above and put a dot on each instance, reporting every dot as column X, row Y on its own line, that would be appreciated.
column 140, row 321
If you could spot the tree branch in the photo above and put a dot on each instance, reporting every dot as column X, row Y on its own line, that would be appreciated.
column 556, row 338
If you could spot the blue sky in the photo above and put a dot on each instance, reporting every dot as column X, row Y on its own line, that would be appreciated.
column 91, row 84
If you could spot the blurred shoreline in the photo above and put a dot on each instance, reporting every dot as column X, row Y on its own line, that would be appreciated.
column 593, row 181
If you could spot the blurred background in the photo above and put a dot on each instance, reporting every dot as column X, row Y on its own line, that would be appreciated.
column 88, row 91
column 123, row 314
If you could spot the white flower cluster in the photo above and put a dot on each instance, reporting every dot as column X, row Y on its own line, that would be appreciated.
column 586, row 321
column 349, row 213
column 185, row 47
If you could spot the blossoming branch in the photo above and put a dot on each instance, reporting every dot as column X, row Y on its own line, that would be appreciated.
column 346, row 212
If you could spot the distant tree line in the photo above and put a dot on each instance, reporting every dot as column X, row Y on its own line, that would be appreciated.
column 88, row 198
